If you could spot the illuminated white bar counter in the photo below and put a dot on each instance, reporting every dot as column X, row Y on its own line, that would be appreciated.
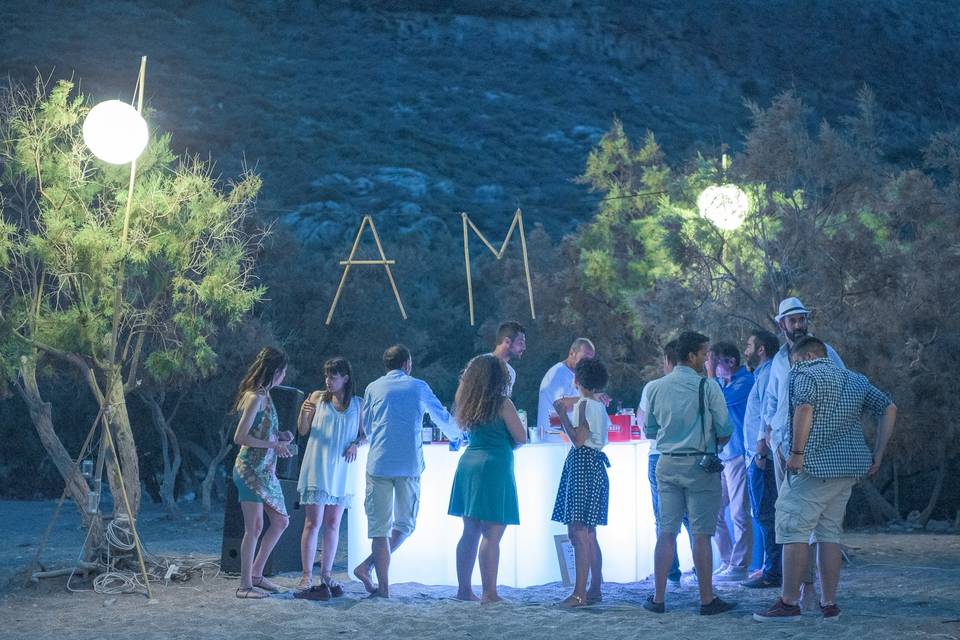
column 528, row 553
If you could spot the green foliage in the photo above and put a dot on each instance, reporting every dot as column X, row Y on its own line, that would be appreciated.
column 187, row 263
column 871, row 246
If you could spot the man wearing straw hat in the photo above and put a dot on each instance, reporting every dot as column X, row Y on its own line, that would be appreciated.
column 793, row 319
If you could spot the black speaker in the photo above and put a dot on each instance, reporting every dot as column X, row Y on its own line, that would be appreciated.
column 287, row 400
column 285, row 556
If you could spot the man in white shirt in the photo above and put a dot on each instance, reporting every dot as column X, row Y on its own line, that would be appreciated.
column 558, row 384
column 511, row 343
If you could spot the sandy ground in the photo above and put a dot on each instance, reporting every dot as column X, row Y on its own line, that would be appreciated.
column 898, row 586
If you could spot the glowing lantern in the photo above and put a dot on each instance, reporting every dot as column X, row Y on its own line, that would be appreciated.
column 725, row 205
column 115, row 132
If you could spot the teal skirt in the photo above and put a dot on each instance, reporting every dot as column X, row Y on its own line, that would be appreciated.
column 484, row 487
column 244, row 494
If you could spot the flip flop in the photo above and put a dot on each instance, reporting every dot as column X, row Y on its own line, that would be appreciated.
column 317, row 592
column 573, row 602
column 262, row 583
column 251, row 593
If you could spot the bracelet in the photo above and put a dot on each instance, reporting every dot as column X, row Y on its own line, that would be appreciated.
column 796, row 453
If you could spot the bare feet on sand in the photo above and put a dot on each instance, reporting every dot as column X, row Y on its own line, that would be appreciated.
column 362, row 573
column 491, row 599
column 467, row 596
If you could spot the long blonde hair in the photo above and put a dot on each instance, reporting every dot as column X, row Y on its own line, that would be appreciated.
column 481, row 391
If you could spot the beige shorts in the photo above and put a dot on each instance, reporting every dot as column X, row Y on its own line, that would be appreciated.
column 810, row 509
column 685, row 487
column 391, row 504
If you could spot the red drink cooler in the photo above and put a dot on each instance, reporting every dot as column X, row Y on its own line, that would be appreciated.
column 619, row 428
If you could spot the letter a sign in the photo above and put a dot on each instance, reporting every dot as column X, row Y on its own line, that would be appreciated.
column 349, row 262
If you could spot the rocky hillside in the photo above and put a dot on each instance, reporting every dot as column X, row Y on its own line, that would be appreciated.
column 417, row 110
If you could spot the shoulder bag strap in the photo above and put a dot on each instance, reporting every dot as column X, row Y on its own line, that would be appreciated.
column 703, row 424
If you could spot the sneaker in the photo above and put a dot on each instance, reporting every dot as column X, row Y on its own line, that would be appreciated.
column 756, row 574
column 760, row 582
column 723, row 567
column 654, row 607
column 730, row 574
column 779, row 612
column 831, row 612
column 717, row 606
column 674, row 585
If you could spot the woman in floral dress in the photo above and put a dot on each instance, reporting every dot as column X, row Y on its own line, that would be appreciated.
column 254, row 472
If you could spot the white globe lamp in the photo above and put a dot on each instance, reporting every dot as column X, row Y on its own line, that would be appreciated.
column 115, row 132
column 725, row 205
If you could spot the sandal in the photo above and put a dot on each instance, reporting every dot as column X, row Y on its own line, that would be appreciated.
column 251, row 593
column 262, row 583
column 572, row 602
column 336, row 589
column 317, row 592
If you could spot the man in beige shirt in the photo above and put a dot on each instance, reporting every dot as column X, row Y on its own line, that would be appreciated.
column 688, row 417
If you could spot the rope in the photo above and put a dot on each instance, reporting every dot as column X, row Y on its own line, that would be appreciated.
column 114, row 579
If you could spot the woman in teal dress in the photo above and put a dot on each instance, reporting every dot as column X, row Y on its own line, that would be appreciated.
column 484, row 490
column 254, row 472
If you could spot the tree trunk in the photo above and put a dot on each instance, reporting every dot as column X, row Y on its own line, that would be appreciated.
column 76, row 486
column 937, row 489
column 226, row 444
column 878, row 503
column 170, row 450
column 126, row 448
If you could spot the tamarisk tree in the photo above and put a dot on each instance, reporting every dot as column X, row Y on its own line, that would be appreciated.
column 186, row 269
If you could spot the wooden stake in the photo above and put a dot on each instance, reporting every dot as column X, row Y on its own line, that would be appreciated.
column 526, row 263
column 466, row 260
column 349, row 262
column 516, row 223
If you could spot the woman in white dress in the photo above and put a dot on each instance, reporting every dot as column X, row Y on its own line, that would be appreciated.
column 332, row 417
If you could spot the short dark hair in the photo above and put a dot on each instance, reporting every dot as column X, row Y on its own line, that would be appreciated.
column 395, row 357
column 809, row 344
column 724, row 349
column 765, row 339
column 689, row 342
column 670, row 352
column 591, row 374
column 338, row 366
column 509, row 329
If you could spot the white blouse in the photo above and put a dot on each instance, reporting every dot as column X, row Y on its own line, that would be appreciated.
column 324, row 468
column 597, row 420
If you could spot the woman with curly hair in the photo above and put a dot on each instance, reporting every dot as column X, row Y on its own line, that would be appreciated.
column 484, row 490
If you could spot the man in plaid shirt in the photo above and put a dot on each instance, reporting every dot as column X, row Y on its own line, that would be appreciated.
column 828, row 455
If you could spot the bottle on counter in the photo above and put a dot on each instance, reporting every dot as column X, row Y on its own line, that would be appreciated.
column 427, row 430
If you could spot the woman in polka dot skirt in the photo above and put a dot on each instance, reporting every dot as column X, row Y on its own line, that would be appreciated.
column 584, row 490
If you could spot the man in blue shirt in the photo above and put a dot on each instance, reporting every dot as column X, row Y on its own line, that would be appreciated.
column 761, row 479
column 393, row 408
column 735, row 382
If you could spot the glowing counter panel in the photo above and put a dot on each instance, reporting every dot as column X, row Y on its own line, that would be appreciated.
column 527, row 552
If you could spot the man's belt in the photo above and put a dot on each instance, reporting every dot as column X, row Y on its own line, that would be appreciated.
column 683, row 455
